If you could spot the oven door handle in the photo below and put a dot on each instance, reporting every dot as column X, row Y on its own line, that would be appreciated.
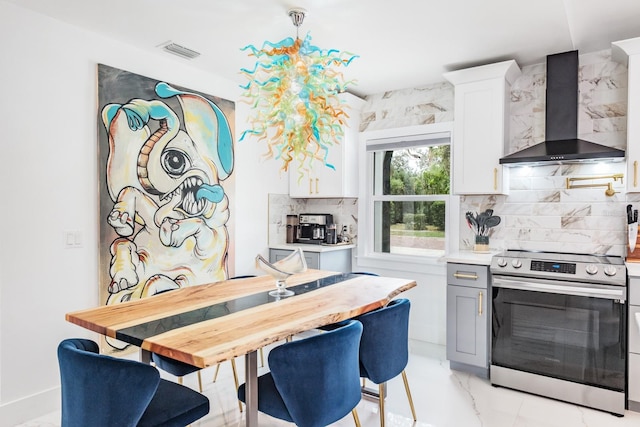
column 537, row 285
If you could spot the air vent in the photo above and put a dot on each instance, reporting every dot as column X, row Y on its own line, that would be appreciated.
column 180, row 50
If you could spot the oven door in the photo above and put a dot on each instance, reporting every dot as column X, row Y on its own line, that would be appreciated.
column 570, row 331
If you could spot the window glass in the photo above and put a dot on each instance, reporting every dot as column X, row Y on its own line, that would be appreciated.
column 409, row 198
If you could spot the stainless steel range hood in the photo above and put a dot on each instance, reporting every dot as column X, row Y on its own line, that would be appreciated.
column 561, row 122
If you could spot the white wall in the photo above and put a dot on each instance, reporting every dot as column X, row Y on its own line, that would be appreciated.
column 48, row 105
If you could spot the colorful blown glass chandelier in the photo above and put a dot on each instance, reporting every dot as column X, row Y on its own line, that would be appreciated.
column 293, row 90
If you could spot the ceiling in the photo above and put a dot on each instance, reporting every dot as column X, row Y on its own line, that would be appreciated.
column 400, row 43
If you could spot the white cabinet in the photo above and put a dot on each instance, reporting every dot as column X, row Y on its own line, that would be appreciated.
column 323, row 181
column 627, row 52
column 634, row 344
column 481, row 129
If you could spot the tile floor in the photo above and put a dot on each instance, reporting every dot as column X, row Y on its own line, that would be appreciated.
column 442, row 397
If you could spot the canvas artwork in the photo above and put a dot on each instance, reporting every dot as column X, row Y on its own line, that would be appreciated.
column 166, row 187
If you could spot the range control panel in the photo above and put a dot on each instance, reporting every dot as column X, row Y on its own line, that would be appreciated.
column 606, row 270
column 555, row 267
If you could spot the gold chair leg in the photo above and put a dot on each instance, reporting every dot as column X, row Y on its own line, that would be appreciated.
column 261, row 358
column 215, row 375
column 381, row 400
column 406, row 387
column 355, row 417
column 180, row 380
column 235, row 379
column 200, row 381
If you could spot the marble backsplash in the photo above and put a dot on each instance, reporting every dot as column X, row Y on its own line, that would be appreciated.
column 344, row 211
column 539, row 213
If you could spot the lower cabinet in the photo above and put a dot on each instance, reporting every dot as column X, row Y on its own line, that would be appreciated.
column 468, row 318
column 335, row 260
column 634, row 344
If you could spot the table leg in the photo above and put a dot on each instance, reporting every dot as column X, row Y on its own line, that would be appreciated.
column 145, row 356
column 251, row 388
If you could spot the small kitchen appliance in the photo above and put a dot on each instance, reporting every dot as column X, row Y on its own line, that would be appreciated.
column 559, row 326
column 313, row 228
column 292, row 228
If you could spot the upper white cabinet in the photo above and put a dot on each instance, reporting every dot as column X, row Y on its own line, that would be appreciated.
column 627, row 52
column 481, row 127
column 342, row 181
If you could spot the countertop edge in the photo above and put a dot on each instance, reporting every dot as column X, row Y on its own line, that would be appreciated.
column 469, row 257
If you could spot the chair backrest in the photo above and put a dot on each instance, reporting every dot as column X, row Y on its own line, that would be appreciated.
column 318, row 377
column 384, row 347
column 100, row 390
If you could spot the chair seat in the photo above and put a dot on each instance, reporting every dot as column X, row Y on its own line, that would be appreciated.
column 172, row 405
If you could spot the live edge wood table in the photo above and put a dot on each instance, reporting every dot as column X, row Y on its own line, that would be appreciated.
column 207, row 324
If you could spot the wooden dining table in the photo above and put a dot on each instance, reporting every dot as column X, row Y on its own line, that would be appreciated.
column 208, row 324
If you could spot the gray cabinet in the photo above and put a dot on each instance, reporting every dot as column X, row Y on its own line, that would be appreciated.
column 335, row 260
column 468, row 318
column 634, row 343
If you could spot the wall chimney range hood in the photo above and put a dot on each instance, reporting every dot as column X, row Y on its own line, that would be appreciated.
column 561, row 122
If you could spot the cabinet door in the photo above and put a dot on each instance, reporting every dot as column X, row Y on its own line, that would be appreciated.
column 479, row 137
column 311, row 258
column 467, row 333
column 340, row 180
column 633, row 127
column 634, row 377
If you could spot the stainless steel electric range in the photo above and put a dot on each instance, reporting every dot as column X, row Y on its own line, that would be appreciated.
column 559, row 327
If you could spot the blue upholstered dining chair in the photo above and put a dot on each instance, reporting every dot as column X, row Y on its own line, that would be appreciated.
column 384, row 347
column 180, row 369
column 314, row 381
column 104, row 391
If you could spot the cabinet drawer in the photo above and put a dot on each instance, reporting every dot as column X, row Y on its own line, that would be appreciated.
column 634, row 290
column 467, row 275
column 634, row 377
column 634, row 329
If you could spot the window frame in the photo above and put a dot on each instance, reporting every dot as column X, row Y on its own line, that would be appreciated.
column 396, row 138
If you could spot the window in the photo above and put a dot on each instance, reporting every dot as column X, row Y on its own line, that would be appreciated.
column 408, row 194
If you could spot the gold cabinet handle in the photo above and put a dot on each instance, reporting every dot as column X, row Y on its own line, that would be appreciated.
column 480, row 304
column 317, row 185
column 310, row 186
column 635, row 173
column 465, row 276
column 495, row 179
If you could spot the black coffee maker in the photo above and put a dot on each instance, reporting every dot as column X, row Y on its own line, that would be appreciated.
column 312, row 228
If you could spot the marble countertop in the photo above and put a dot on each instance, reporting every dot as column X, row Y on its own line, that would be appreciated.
column 633, row 269
column 312, row 248
column 470, row 257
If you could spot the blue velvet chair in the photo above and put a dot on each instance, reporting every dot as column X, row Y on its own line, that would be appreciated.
column 314, row 381
column 384, row 347
column 180, row 369
column 104, row 391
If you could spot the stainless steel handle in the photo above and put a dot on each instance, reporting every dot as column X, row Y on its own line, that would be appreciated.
column 610, row 292
column 465, row 276
column 480, row 304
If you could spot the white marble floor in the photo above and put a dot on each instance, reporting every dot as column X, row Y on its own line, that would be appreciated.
column 442, row 397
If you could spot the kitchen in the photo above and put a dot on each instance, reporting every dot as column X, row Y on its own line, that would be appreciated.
column 527, row 213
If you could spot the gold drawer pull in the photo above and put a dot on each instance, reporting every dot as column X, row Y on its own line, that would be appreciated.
column 465, row 276
column 495, row 179
column 480, row 304
column 635, row 173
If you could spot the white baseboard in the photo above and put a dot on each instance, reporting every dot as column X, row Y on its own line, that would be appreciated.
column 22, row 410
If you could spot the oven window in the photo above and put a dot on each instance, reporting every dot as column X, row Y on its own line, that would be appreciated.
column 575, row 338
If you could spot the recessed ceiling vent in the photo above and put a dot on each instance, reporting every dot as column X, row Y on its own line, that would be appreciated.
column 181, row 51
